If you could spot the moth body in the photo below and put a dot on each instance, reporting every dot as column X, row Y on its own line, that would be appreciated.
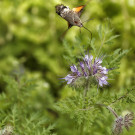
column 69, row 15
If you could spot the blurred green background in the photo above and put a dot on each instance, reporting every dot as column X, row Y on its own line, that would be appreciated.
column 29, row 38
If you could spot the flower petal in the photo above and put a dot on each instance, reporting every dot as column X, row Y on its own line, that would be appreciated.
column 69, row 79
column 73, row 68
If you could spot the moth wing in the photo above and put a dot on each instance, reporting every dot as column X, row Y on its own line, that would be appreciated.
column 79, row 10
column 65, row 32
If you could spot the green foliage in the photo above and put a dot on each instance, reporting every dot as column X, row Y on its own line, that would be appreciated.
column 16, row 105
column 32, row 59
column 95, row 113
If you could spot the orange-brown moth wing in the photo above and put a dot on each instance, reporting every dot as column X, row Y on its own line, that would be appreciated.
column 79, row 9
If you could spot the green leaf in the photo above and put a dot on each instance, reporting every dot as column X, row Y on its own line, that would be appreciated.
column 111, row 38
column 124, row 52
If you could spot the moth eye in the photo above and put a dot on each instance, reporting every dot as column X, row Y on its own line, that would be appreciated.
column 63, row 7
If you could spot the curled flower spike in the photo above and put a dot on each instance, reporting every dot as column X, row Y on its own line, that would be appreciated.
column 122, row 122
column 118, row 126
column 128, row 120
column 90, row 69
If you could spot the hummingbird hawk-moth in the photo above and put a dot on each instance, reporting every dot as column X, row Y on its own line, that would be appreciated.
column 71, row 16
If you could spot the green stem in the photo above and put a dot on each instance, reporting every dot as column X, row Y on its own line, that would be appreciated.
column 86, row 89
column 110, row 109
column 81, row 128
column 85, row 94
column 113, row 112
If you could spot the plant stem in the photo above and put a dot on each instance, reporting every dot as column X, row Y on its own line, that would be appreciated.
column 85, row 94
column 81, row 128
column 110, row 109
column 124, row 96
column 86, row 89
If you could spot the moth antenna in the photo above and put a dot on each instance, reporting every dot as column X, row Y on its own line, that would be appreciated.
column 88, row 20
column 89, row 31
column 87, row 2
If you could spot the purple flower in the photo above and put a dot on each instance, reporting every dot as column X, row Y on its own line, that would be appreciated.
column 88, row 68
column 69, row 79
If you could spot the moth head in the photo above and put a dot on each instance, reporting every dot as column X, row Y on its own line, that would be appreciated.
column 59, row 8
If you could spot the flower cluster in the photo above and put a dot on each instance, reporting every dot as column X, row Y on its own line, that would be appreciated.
column 122, row 122
column 88, row 68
